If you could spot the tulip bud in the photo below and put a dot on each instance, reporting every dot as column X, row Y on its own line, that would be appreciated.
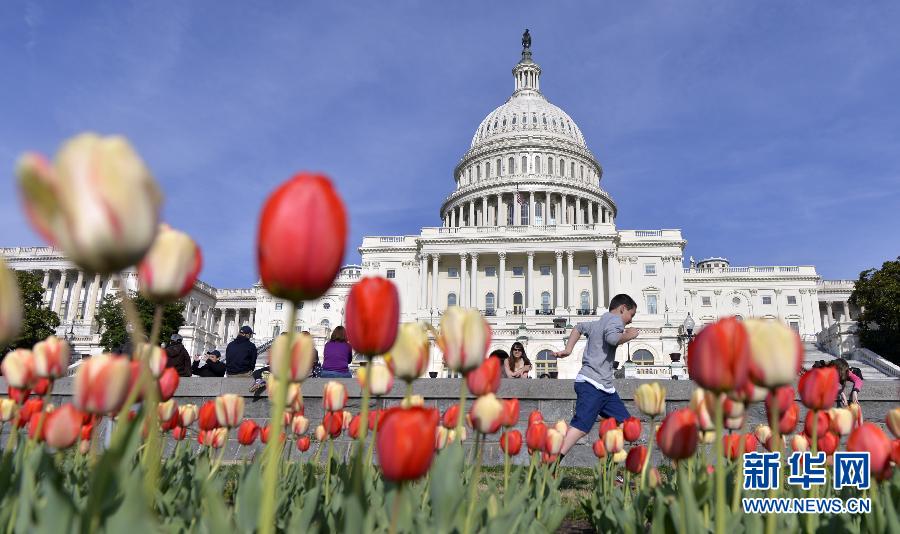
column 620, row 456
column 29, row 408
column 553, row 442
column 707, row 437
column 382, row 380
column 187, row 414
column 535, row 417
column 895, row 452
column 7, row 409
column 299, row 425
column 868, row 437
column 636, row 458
column 207, row 417
column 18, row 369
column 536, row 436
column 293, row 361
column 818, row 388
column 216, row 437
column 371, row 315
column 856, row 410
column 762, row 433
column 51, row 358
column 179, row 433
column 677, row 436
column 353, row 428
column 631, row 429
column 412, row 401
column 101, row 384
column 441, row 437
column 306, row 212
column 99, row 203
column 821, row 423
column 829, row 442
column 170, row 268
column 334, row 396
column 62, row 427
column 788, row 422
column 168, row 383
column 653, row 477
column 229, row 410
column 799, row 443
column 650, row 399
column 561, row 427
column 303, row 443
column 156, row 359
column 893, row 421
column 408, row 358
column 718, row 358
column 321, row 433
column 614, row 440
column 333, row 423
column 247, row 432
column 10, row 304
column 606, row 425
column 451, row 416
column 511, row 442
column 734, row 423
column 700, row 406
column 405, row 443
column 165, row 410
column 510, row 415
column 776, row 352
column 599, row 449
column 486, row 412
column 485, row 378
column 547, row 458
column 463, row 338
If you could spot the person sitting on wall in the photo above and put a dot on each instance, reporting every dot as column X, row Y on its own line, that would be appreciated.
column 337, row 355
column 213, row 368
column 262, row 374
column 518, row 365
column 240, row 354
column 177, row 356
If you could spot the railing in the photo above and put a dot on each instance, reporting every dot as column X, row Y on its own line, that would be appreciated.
column 851, row 283
column 752, row 269
column 392, row 239
column 648, row 233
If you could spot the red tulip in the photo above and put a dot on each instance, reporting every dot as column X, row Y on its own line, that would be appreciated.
column 485, row 378
column 719, row 357
column 375, row 416
column 18, row 395
column 783, row 396
column 535, row 417
column 41, row 387
column 62, row 427
column 229, row 409
column 819, row 388
column 333, row 423
column 207, row 419
column 334, row 396
column 303, row 443
column 264, row 433
column 821, row 426
column 247, row 432
column 895, row 451
column 788, row 422
column 536, row 436
column 631, row 428
column 51, row 357
column 86, row 432
column 634, row 462
column 28, row 409
column 301, row 239
column 353, row 429
column 451, row 417
column 405, row 443
column 33, row 427
column 168, row 383
column 606, row 425
column 101, row 384
column 372, row 315
column 548, row 458
column 677, row 436
column 736, row 445
column 828, row 443
column 511, row 442
column 179, row 433
column 868, row 437
column 510, row 415
column 599, row 449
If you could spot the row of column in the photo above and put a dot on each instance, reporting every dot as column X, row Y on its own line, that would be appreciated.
column 469, row 295
column 843, row 310
column 221, row 322
column 496, row 213
column 68, row 307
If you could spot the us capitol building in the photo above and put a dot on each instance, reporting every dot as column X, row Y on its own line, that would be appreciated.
column 528, row 235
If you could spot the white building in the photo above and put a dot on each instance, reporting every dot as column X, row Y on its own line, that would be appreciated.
column 528, row 236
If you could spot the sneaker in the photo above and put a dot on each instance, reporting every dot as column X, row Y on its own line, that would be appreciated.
column 257, row 385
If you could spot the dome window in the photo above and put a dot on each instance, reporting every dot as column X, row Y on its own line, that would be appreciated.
column 545, row 120
column 495, row 124
column 504, row 122
column 534, row 118
column 554, row 124
column 550, row 166
column 514, row 120
column 524, row 168
column 562, row 167
column 511, row 166
column 537, row 164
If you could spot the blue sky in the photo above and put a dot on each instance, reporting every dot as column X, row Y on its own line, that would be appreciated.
column 769, row 132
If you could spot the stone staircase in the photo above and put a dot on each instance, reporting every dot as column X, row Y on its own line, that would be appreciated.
column 812, row 354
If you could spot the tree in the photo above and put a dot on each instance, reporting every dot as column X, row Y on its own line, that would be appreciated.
column 878, row 293
column 38, row 320
column 111, row 319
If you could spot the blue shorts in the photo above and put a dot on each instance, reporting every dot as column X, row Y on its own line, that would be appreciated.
column 592, row 402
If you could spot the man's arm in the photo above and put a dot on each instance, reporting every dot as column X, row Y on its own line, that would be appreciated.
column 570, row 344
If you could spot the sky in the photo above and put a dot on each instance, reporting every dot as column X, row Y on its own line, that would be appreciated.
column 768, row 132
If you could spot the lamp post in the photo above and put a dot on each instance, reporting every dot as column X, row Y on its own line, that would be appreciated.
column 70, row 338
column 688, row 327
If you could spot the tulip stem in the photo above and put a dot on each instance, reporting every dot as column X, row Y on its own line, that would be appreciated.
column 153, row 454
column 682, row 468
column 374, row 436
column 739, row 476
column 462, row 403
column 774, row 421
column 506, row 467
column 531, row 467
column 218, row 461
column 364, row 408
column 328, row 471
column 13, row 435
column 266, row 522
column 650, row 441
column 720, row 471
column 395, row 508
column 473, row 487
column 409, row 390
column 627, row 486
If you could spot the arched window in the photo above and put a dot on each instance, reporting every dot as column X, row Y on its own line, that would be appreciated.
column 479, row 171
column 572, row 172
column 545, row 121
column 545, row 302
column 538, row 213
column 514, row 120
column 487, row 169
column 504, row 122
column 550, row 165
column 499, row 170
column 585, row 300
column 524, row 169
column 510, row 220
column 451, row 299
column 525, row 215
column 537, row 164
column 534, row 119
column 562, row 167
column 517, row 303
column 276, row 330
column 489, row 303
column 642, row 357
column 545, row 364
column 511, row 166
column 326, row 323
column 582, row 172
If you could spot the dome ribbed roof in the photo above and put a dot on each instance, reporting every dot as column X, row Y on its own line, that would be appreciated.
column 527, row 112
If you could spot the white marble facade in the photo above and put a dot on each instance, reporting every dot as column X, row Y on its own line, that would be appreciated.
column 528, row 236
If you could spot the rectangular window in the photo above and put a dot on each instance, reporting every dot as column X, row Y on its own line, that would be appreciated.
column 796, row 326
column 792, row 299
column 706, row 301
column 391, row 273
column 453, row 272
column 651, row 304
column 650, row 269
column 518, row 271
column 767, row 300
column 278, row 306
column 584, row 270
column 545, row 270
column 490, row 271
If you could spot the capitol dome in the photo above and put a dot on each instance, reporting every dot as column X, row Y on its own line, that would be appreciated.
column 527, row 112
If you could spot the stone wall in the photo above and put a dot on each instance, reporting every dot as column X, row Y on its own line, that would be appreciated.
column 554, row 398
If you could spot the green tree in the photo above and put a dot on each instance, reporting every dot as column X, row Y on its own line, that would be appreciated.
column 38, row 320
column 878, row 293
column 111, row 319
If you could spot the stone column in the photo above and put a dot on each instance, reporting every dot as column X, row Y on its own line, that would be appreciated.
column 602, row 214
column 579, row 219
column 501, row 283
column 474, row 301
column 560, row 299
column 846, row 306
column 60, row 287
column 423, row 280
column 816, row 317
column 517, row 210
column 829, row 314
column 570, row 294
column 221, row 325
column 529, row 282
column 92, row 299
column 461, row 300
column 471, row 213
column 563, row 212
column 547, row 203
column 452, row 217
column 716, row 293
column 484, row 211
column 531, row 219
column 612, row 265
column 74, row 297
column 434, row 281
column 590, row 213
column 599, row 299
column 778, row 304
column 500, row 217
column 253, row 319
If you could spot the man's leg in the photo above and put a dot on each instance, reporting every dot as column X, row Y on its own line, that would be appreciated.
column 614, row 407
column 572, row 437
column 587, row 406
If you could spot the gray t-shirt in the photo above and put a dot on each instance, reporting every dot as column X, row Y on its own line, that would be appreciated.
column 602, row 339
